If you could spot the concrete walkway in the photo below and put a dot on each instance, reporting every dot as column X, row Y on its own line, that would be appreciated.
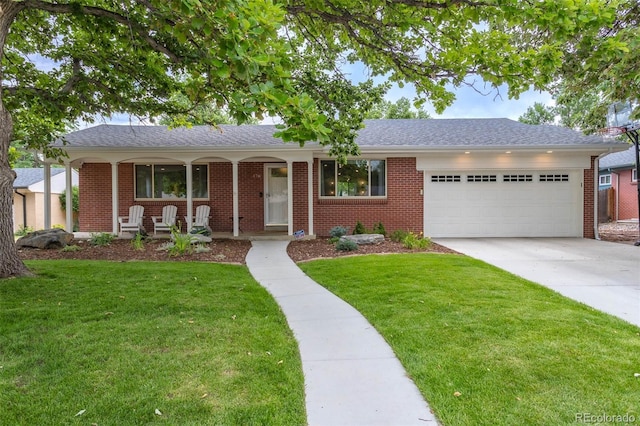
column 351, row 375
column 601, row 274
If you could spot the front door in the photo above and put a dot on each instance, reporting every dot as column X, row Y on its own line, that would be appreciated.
column 276, row 195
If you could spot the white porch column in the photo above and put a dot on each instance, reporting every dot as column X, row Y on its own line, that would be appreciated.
column 188, row 170
column 236, row 209
column 310, row 195
column 114, row 197
column 290, row 196
column 69, row 197
column 47, row 196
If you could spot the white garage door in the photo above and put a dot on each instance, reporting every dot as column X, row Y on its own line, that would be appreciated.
column 503, row 204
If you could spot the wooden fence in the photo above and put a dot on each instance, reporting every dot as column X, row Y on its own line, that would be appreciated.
column 606, row 205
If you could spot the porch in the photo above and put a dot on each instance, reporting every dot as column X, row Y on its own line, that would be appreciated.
column 250, row 197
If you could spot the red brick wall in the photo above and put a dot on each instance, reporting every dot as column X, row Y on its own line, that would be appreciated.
column 301, row 198
column 402, row 209
column 589, row 202
column 627, row 196
column 95, row 198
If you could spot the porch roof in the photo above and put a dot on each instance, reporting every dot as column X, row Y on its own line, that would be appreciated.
column 377, row 134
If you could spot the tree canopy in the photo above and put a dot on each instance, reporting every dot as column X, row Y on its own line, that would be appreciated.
column 401, row 108
column 64, row 61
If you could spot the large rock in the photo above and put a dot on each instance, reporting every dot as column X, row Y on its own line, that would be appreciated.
column 46, row 239
column 196, row 238
column 362, row 239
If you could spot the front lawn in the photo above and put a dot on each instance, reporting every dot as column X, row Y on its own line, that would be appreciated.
column 488, row 348
column 136, row 343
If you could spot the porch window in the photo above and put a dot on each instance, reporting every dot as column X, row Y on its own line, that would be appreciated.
column 357, row 178
column 169, row 181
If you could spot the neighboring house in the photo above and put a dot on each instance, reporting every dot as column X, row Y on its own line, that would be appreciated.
column 446, row 178
column 618, row 171
column 29, row 197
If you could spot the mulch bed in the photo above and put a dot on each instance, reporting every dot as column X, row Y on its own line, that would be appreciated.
column 235, row 251
column 224, row 251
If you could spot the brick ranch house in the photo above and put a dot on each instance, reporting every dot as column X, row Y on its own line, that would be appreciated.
column 443, row 177
column 618, row 171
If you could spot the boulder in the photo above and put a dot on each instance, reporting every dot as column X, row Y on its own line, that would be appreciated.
column 362, row 239
column 196, row 238
column 46, row 239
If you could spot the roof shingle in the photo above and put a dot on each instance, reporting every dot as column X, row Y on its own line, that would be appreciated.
column 433, row 133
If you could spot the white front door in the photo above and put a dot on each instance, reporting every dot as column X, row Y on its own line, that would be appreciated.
column 276, row 195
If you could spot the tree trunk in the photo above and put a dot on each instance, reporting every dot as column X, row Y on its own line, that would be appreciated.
column 10, row 263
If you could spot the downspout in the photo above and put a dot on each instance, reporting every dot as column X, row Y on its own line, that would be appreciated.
column 596, row 186
column 24, row 208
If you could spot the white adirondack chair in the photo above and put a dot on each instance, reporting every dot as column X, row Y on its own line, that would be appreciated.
column 133, row 222
column 201, row 218
column 165, row 222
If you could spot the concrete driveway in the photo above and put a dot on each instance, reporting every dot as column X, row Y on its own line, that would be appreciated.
column 600, row 274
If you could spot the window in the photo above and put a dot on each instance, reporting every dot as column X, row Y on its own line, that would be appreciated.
column 554, row 178
column 357, row 178
column 481, row 178
column 445, row 178
column 169, row 181
column 634, row 175
column 517, row 178
column 605, row 180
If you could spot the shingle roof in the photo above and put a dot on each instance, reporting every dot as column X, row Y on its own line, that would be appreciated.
column 376, row 133
column 620, row 159
column 28, row 176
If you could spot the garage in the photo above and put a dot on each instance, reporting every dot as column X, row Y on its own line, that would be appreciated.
column 503, row 203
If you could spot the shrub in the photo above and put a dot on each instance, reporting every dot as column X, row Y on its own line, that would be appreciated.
column 359, row 229
column 415, row 241
column 101, row 239
column 138, row 242
column 338, row 231
column 24, row 230
column 58, row 226
column 181, row 243
column 71, row 248
column 398, row 235
column 378, row 228
column 346, row 245
column 201, row 248
column 202, row 230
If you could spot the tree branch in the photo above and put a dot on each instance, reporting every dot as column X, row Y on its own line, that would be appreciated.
column 60, row 8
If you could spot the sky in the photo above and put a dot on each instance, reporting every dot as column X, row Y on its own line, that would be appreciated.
column 469, row 103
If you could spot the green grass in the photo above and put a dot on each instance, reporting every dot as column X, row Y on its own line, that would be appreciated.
column 202, row 343
column 516, row 352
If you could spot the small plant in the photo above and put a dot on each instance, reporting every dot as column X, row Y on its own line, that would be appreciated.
column 416, row 241
column 24, row 230
column 181, row 243
column 378, row 228
column 201, row 248
column 101, row 239
column 346, row 245
column 398, row 235
column 137, row 242
column 201, row 230
column 336, row 232
column 359, row 229
column 71, row 248
column 58, row 226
